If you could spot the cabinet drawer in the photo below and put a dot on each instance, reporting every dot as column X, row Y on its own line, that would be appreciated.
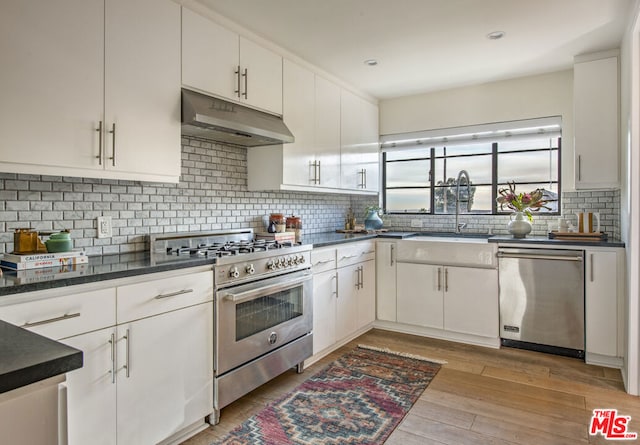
column 159, row 295
column 323, row 260
column 355, row 253
column 65, row 316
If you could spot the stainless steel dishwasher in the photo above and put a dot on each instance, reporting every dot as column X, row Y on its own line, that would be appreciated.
column 542, row 300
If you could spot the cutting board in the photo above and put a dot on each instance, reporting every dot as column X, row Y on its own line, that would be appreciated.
column 578, row 236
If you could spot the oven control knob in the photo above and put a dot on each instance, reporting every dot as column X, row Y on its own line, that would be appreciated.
column 273, row 338
column 301, row 259
column 288, row 261
column 271, row 265
column 233, row 272
column 250, row 269
column 281, row 263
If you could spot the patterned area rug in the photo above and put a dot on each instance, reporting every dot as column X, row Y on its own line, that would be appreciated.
column 358, row 399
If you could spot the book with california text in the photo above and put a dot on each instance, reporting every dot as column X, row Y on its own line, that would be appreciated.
column 37, row 260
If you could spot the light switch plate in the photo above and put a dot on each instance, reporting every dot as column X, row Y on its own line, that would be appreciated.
column 104, row 227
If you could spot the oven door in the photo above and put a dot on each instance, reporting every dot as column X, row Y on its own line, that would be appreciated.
column 256, row 318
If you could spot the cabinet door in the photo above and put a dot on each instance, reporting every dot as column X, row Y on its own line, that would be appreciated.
column 51, row 83
column 210, row 56
column 471, row 301
column 299, row 115
column 347, row 303
column 262, row 84
column 370, row 151
column 419, row 300
column 91, row 390
column 386, row 280
column 142, row 87
column 367, row 294
column 324, row 310
column 595, row 99
column 327, row 131
column 601, row 314
column 167, row 382
column 350, row 136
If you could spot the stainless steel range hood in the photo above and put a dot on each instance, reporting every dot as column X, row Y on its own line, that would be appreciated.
column 221, row 121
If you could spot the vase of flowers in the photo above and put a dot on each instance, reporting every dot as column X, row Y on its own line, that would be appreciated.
column 523, row 204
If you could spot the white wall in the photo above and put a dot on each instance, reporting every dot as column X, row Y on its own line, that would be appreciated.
column 522, row 98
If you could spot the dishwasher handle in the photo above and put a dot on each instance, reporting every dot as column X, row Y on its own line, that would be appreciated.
column 538, row 256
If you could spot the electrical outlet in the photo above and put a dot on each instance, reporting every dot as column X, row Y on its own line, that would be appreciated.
column 104, row 227
column 416, row 223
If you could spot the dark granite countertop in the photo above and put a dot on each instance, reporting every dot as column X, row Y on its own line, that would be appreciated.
column 99, row 268
column 28, row 357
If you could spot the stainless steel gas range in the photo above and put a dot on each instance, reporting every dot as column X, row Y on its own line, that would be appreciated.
column 263, row 307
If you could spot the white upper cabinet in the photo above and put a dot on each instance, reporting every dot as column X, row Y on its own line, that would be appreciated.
column 51, row 83
column 218, row 61
column 327, row 132
column 142, row 93
column 359, row 159
column 596, row 106
column 75, row 71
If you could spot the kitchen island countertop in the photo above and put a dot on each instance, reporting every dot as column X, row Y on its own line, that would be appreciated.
column 28, row 357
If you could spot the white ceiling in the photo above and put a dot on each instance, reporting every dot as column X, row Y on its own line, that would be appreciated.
column 428, row 45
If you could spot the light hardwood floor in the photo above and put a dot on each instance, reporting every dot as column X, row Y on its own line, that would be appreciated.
column 481, row 396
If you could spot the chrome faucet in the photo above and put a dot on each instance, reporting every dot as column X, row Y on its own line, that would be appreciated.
column 463, row 173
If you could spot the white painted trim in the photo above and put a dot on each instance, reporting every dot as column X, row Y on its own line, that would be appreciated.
column 603, row 360
column 631, row 373
column 439, row 334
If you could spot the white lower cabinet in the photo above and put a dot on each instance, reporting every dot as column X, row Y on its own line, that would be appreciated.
column 344, row 294
column 386, row 274
column 147, row 370
column 164, row 381
column 604, row 317
column 324, row 310
column 455, row 299
column 91, row 390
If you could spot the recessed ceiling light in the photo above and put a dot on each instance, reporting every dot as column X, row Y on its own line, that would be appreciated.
column 495, row 35
column 371, row 62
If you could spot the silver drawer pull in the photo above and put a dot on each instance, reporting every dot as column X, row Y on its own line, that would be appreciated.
column 368, row 251
column 173, row 294
column 322, row 262
column 348, row 256
column 50, row 320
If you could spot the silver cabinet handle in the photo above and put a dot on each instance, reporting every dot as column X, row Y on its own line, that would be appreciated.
column 365, row 177
column 357, row 278
column 112, row 132
column 368, row 252
column 392, row 253
column 237, row 73
column 439, row 278
column 322, row 262
column 591, row 266
column 337, row 286
column 127, row 366
column 112, row 342
column 173, row 294
column 99, row 130
column 335, row 292
column 579, row 167
column 319, row 172
column 345, row 257
column 246, row 76
column 446, row 279
column 50, row 320
column 361, row 277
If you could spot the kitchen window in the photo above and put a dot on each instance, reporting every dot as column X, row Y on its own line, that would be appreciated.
column 419, row 170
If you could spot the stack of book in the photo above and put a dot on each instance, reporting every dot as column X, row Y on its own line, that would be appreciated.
column 37, row 260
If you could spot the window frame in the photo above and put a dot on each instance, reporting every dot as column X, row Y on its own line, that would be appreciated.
column 494, row 179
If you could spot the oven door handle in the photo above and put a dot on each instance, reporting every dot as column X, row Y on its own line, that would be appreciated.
column 261, row 290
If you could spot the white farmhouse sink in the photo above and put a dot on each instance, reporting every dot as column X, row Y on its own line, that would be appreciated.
column 448, row 251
